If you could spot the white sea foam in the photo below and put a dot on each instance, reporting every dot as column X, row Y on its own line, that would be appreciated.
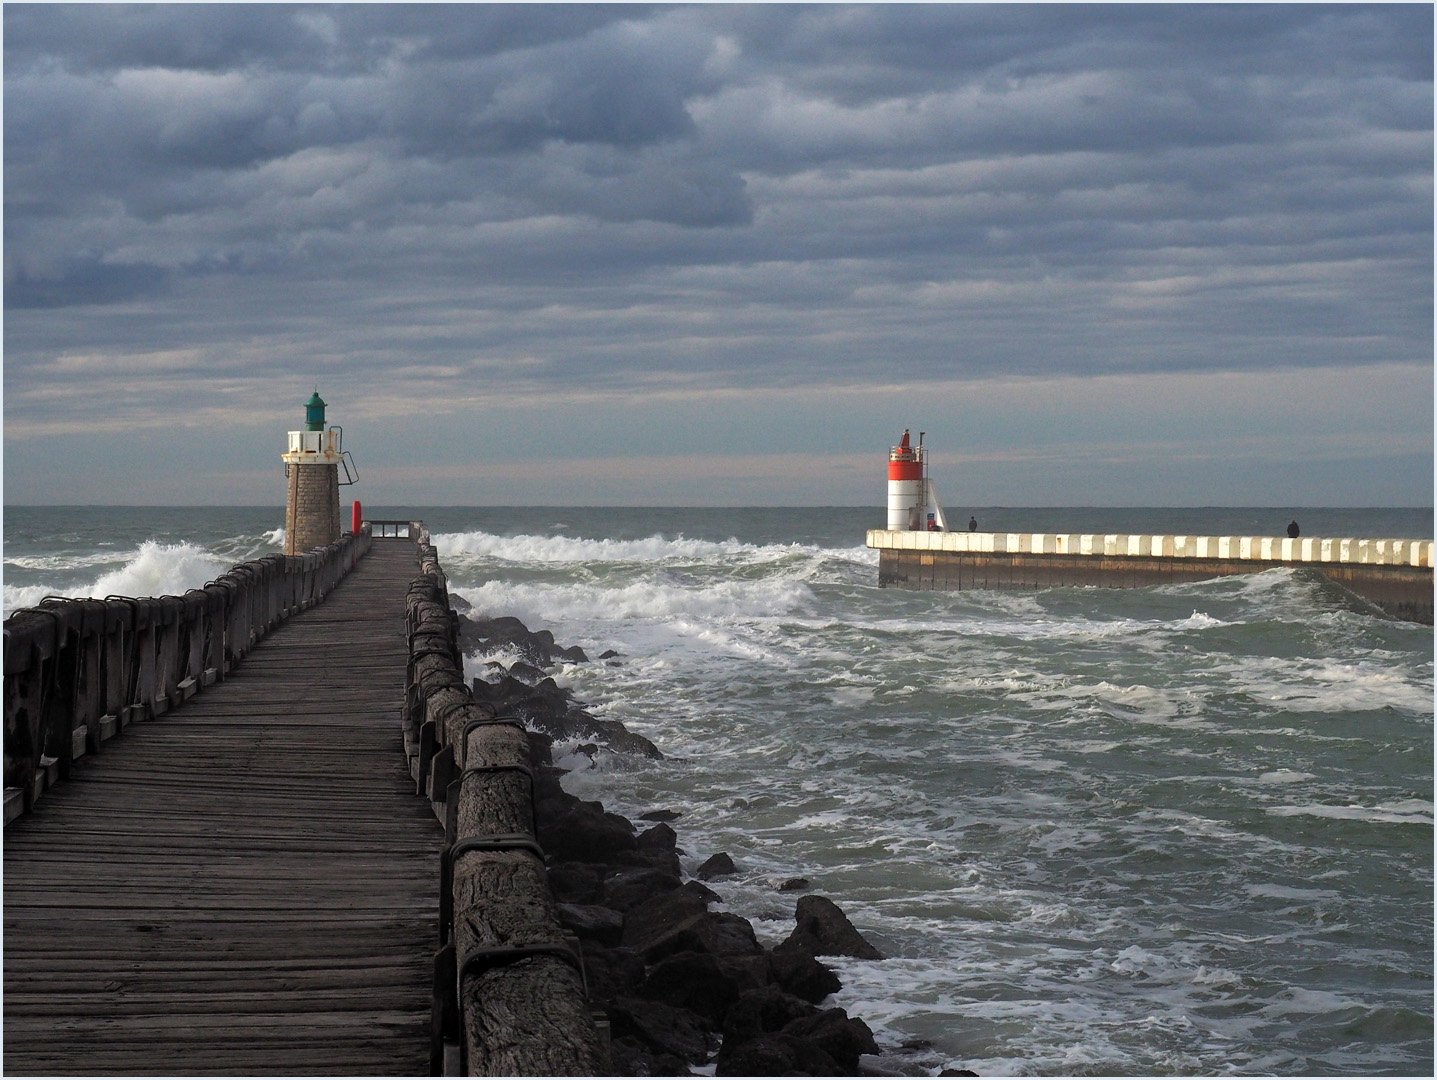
column 155, row 569
column 68, row 561
column 160, row 570
column 547, row 549
column 1284, row 776
column 1403, row 812
column 535, row 549
column 642, row 600
column 1326, row 684
column 23, row 596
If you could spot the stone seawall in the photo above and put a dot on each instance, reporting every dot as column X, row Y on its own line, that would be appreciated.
column 1394, row 575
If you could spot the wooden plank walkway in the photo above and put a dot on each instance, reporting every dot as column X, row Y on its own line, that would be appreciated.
column 247, row 885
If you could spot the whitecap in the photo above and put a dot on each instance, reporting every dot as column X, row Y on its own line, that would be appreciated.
column 24, row 596
column 532, row 548
column 1284, row 776
column 155, row 569
column 1287, row 892
column 51, row 563
column 638, row 600
column 1403, row 812
column 159, row 570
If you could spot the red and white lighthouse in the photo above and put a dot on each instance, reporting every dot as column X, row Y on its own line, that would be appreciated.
column 912, row 502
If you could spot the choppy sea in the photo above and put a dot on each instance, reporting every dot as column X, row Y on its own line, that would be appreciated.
column 1172, row 830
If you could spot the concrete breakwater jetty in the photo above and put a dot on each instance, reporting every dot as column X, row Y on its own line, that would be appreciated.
column 574, row 944
column 1393, row 575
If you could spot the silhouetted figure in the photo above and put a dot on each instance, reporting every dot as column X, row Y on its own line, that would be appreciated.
column 1292, row 529
column 972, row 524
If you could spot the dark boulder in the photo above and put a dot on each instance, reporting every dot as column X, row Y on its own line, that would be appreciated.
column 823, row 930
column 802, row 975
column 575, row 882
column 667, row 861
column 664, row 924
column 693, row 981
column 592, row 922
column 526, row 672
column 629, row 887
column 797, row 884
column 550, row 796
column 702, row 891
column 661, row 815
column 612, row 973
column 614, row 735
column 759, row 1012
column 680, row 922
column 541, row 749
column 751, row 971
column 633, row 1057
column 584, row 835
column 659, row 838
column 838, row 1035
column 777, row 1055
column 663, row 1027
column 714, row 866
column 725, row 933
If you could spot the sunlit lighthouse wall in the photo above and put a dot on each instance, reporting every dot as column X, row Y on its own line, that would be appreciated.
column 311, row 465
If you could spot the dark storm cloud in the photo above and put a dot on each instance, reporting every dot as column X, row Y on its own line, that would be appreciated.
column 594, row 196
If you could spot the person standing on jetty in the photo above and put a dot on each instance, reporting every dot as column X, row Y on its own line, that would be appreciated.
column 1292, row 529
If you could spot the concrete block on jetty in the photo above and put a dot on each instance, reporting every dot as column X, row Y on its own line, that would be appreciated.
column 1394, row 575
column 571, row 942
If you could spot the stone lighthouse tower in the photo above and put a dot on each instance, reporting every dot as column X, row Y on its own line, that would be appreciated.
column 312, row 464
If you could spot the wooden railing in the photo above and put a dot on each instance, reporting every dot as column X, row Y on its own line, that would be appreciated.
column 509, row 991
column 80, row 671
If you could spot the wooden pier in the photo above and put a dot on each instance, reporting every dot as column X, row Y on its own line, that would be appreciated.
column 245, row 885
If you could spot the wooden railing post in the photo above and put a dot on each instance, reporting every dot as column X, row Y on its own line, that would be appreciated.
column 509, row 993
column 79, row 671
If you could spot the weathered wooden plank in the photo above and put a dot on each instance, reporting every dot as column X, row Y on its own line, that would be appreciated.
column 245, row 885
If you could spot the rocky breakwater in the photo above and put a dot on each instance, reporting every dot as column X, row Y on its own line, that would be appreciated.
column 676, row 986
column 681, row 985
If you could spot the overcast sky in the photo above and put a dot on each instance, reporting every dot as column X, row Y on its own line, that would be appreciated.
column 1128, row 255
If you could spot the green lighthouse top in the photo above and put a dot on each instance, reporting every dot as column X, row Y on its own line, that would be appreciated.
column 314, row 412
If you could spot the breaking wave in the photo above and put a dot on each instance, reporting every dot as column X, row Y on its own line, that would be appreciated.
column 154, row 569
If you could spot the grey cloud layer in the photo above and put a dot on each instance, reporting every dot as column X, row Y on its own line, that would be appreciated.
column 610, row 196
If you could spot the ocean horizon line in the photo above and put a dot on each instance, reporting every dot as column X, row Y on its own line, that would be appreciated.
column 728, row 506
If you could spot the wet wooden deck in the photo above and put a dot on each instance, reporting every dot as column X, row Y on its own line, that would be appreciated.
column 245, row 885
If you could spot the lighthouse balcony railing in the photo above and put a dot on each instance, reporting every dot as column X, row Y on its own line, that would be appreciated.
column 317, row 442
